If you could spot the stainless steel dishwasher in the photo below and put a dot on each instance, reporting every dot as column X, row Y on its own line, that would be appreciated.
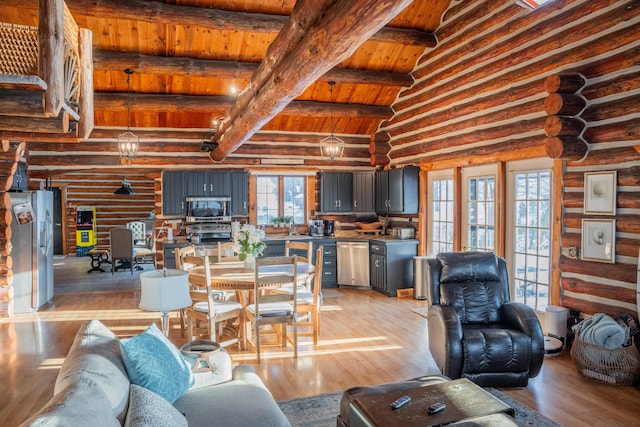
column 353, row 264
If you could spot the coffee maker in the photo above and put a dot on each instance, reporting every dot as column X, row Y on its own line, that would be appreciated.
column 315, row 228
column 328, row 227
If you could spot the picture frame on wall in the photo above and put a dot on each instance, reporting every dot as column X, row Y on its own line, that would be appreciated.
column 600, row 193
column 599, row 240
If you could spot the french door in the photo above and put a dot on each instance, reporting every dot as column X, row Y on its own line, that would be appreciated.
column 479, row 208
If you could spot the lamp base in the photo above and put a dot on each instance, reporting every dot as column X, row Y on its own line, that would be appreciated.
column 165, row 323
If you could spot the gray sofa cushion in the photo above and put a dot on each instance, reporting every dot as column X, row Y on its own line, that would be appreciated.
column 75, row 404
column 95, row 354
column 245, row 401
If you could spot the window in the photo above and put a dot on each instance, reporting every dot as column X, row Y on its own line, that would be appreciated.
column 441, row 214
column 281, row 196
column 530, row 225
column 479, row 213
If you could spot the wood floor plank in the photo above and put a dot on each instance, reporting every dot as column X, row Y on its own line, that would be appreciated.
column 366, row 338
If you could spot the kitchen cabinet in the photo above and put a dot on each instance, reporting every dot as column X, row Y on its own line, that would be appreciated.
column 207, row 183
column 397, row 190
column 19, row 182
column 173, row 193
column 329, row 262
column 364, row 192
column 169, row 255
column 391, row 265
column 336, row 191
column 239, row 193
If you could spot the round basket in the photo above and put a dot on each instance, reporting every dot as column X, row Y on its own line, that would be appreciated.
column 620, row 366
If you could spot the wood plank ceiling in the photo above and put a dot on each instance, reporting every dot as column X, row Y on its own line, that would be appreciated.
column 196, row 60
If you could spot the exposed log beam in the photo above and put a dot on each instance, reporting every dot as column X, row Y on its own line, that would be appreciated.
column 37, row 124
column 85, row 106
column 182, row 66
column 216, row 19
column 330, row 40
column 20, row 102
column 51, row 42
column 221, row 104
column 36, row 136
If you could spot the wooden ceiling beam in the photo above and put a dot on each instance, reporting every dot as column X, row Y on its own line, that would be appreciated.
column 217, row 19
column 338, row 32
column 183, row 66
column 154, row 103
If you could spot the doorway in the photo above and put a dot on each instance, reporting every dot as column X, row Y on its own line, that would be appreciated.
column 58, row 220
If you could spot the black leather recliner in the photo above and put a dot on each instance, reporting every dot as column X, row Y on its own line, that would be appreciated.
column 475, row 332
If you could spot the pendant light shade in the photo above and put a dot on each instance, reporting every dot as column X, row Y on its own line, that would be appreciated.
column 331, row 147
column 128, row 141
column 125, row 189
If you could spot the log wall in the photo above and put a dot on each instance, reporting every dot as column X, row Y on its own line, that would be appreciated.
column 96, row 188
column 480, row 97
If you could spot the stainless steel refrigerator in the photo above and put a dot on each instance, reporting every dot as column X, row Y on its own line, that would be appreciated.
column 32, row 252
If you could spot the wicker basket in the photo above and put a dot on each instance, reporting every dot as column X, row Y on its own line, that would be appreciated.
column 620, row 366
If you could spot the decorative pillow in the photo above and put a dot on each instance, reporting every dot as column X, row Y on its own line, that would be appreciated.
column 147, row 409
column 153, row 362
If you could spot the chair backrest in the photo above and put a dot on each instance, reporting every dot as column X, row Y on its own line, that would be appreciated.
column 317, row 278
column 226, row 252
column 304, row 250
column 199, row 278
column 121, row 243
column 139, row 230
column 476, row 284
column 272, row 272
column 181, row 254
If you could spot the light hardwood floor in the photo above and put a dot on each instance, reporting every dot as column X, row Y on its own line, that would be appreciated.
column 366, row 338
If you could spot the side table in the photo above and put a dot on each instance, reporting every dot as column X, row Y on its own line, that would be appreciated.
column 218, row 361
column 463, row 398
column 98, row 257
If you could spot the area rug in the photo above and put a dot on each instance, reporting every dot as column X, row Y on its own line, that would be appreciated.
column 321, row 411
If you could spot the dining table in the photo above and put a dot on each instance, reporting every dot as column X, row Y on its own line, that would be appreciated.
column 234, row 276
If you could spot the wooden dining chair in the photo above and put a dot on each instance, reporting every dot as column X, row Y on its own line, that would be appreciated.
column 208, row 308
column 226, row 252
column 275, row 309
column 309, row 303
column 304, row 250
column 180, row 254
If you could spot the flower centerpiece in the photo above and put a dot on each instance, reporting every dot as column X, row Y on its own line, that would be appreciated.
column 249, row 243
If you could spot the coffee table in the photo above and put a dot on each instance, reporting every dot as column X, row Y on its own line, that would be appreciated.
column 463, row 398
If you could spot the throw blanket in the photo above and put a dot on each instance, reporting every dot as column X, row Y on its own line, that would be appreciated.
column 601, row 330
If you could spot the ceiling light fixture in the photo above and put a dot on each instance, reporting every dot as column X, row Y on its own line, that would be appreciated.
column 128, row 141
column 331, row 147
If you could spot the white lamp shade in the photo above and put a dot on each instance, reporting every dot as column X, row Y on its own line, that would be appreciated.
column 164, row 290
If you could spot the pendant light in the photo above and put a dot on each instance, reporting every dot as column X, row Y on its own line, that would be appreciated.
column 128, row 141
column 331, row 147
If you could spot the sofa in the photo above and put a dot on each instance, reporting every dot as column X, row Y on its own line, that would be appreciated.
column 94, row 386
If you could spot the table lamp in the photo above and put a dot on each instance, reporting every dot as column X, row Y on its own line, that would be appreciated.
column 164, row 290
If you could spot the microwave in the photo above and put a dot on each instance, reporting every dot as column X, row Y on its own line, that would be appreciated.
column 208, row 209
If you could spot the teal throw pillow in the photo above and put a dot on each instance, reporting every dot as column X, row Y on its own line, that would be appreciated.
column 153, row 362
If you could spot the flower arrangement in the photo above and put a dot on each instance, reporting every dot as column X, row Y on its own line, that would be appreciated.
column 248, row 241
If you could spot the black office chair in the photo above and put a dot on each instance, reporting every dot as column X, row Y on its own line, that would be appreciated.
column 475, row 331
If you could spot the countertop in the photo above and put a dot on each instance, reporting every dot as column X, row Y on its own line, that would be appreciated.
column 341, row 235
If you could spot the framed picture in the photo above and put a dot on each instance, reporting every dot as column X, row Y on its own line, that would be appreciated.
column 600, row 193
column 24, row 213
column 599, row 240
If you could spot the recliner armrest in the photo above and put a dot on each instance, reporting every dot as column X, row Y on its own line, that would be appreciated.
column 521, row 317
column 445, row 339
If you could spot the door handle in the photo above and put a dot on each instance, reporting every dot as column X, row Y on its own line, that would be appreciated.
column 57, row 224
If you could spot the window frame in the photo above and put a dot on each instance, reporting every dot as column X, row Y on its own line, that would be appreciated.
column 281, row 198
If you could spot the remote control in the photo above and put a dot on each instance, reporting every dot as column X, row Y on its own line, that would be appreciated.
column 435, row 408
column 400, row 402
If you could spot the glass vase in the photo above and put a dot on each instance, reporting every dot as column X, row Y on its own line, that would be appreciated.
column 249, row 262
